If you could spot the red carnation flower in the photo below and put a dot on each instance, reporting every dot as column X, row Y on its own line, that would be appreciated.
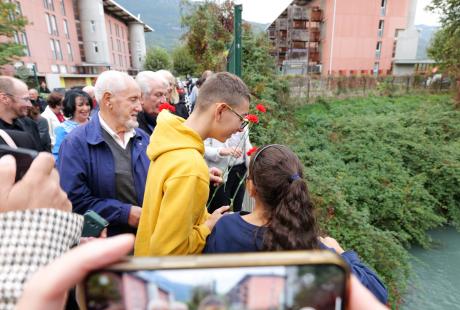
column 261, row 108
column 252, row 118
column 167, row 106
column 252, row 151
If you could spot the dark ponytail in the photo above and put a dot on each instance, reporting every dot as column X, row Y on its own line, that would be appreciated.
column 278, row 179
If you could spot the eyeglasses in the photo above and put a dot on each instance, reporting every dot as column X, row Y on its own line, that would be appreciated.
column 25, row 99
column 244, row 121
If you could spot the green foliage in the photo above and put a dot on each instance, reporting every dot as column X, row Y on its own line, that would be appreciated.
column 386, row 87
column 11, row 23
column 381, row 171
column 210, row 27
column 183, row 61
column 445, row 45
column 156, row 59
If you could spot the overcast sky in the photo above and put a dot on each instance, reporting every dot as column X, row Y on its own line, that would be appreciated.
column 265, row 11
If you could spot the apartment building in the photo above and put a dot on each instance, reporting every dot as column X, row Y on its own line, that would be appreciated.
column 338, row 37
column 69, row 42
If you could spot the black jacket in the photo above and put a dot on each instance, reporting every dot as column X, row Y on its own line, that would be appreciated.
column 27, row 125
column 146, row 122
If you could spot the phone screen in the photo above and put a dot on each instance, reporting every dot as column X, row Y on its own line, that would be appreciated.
column 24, row 158
column 306, row 287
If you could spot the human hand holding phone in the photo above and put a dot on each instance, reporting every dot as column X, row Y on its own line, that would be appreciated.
column 39, row 188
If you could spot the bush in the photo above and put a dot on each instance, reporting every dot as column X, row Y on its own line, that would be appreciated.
column 382, row 171
column 156, row 59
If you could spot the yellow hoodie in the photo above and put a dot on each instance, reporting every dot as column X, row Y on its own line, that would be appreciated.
column 177, row 188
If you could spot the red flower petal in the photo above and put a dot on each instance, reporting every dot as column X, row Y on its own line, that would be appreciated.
column 261, row 108
column 252, row 118
column 167, row 106
column 252, row 151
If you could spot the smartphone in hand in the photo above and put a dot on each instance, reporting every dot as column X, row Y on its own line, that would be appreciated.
column 93, row 224
column 246, row 281
column 24, row 158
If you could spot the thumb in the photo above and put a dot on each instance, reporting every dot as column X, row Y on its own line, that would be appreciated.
column 7, row 174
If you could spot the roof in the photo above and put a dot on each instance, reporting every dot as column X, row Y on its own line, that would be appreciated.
column 414, row 61
column 120, row 12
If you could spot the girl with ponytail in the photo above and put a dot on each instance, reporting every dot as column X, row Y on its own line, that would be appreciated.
column 283, row 216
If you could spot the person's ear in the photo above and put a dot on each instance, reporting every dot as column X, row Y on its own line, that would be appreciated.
column 106, row 99
column 219, row 110
column 251, row 188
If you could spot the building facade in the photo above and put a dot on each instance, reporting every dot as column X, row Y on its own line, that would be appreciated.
column 338, row 37
column 69, row 42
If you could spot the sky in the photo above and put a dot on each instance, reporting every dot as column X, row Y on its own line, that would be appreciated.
column 265, row 11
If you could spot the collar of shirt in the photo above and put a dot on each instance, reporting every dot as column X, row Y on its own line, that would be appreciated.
column 127, row 136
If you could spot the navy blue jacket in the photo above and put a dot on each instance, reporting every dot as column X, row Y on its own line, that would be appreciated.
column 232, row 234
column 87, row 172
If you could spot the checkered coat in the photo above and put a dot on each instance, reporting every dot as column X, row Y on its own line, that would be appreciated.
column 30, row 239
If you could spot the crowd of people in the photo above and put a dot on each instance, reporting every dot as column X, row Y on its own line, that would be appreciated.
column 145, row 155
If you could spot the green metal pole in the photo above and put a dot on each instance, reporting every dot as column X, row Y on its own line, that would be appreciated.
column 35, row 76
column 238, row 44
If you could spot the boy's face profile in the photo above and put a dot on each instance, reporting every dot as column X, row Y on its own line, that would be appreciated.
column 230, row 120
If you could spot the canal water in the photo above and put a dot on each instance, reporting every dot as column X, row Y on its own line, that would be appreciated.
column 435, row 284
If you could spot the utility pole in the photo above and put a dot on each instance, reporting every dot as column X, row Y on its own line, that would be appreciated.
column 234, row 59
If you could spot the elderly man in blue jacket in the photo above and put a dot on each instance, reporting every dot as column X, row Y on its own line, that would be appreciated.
column 102, row 164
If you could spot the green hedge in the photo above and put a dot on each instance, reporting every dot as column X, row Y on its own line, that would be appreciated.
column 382, row 170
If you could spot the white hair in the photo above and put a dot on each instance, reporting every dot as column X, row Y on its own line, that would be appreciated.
column 144, row 79
column 110, row 81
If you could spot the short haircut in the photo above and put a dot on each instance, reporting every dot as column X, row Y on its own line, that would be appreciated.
column 144, row 79
column 7, row 84
column 222, row 87
column 110, row 81
column 70, row 99
column 54, row 99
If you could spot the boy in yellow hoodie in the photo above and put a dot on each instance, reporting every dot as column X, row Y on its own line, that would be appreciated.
column 174, row 219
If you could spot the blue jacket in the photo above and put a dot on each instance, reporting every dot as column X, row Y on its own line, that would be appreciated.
column 87, row 172
column 232, row 234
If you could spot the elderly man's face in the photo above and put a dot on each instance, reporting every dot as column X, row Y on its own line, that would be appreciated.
column 126, row 105
column 152, row 101
column 33, row 94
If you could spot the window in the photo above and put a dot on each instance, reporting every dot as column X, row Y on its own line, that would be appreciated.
column 63, row 68
column 69, row 51
column 380, row 32
column 96, row 48
column 119, row 45
column 48, row 23
column 53, row 50
column 110, row 26
column 117, row 30
column 378, row 50
column 62, row 7
column 66, row 29
column 93, row 26
column 57, row 46
column 54, row 69
column 111, row 43
column 120, row 60
column 376, row 68
column 54, row 28
column 383, row 7
column 25, row 42
column 48, row 4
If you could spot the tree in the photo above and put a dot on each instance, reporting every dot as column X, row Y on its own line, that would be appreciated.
column 183, row 61
column 156, row 59
column 12, row 23
column 445, row 47
column 210, row 27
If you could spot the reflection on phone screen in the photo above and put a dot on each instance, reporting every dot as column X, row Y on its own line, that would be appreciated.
column 309, row 287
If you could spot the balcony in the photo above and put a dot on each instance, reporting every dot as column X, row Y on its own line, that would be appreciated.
column 281, row 42
column 299, row 35
column 282, row 24
column 315, row 35
column 316, row 14
column 298, row 54
column 298, row 13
